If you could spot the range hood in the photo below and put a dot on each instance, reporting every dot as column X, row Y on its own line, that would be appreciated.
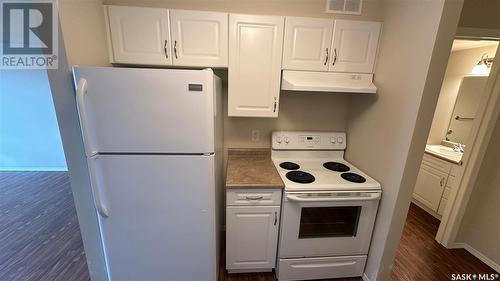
column 316, row 81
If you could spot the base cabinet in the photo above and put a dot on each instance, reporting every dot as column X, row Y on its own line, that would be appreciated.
column 430, row 186
column 251, row 236
column 435, row 182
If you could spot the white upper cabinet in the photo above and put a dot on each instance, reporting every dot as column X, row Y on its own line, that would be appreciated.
column 354, row 46
column 138, row 35
column 199, row 38
column 254, row 69
column 307, row 43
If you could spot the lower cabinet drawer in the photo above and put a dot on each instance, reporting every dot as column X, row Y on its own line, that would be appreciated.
column 436, row 163
column 251, row 197
column 320, row 268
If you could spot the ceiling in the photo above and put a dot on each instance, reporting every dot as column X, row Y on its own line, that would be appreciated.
column 459, row 45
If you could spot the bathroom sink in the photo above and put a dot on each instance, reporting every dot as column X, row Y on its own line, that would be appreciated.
column 445, row 152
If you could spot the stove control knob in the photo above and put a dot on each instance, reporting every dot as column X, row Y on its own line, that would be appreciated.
column 340, row 140
column 286, row 139
column 333, row 140
column 278, row 139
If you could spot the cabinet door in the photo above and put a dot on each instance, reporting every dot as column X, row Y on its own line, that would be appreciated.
column 354, row 46
column 429, row 187
column 307, row 43
column 254, row 70
column 199, row 38
column 251, row 237
column 139, row 35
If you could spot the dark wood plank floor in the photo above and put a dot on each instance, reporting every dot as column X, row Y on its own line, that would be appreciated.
column 39, row 233
column 420, row 257
column 40, row 238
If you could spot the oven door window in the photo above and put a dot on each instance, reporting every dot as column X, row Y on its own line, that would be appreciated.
column 321, row 222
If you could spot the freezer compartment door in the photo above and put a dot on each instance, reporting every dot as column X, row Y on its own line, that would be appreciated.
column 145, row 110
column 159, row 222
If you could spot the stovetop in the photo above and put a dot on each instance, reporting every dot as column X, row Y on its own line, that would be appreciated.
column 314, row 161
column 324, row 179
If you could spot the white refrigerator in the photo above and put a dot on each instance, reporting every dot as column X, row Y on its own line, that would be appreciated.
column 153, row 140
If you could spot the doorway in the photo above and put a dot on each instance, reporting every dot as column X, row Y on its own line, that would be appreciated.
column 459, row 111
column 462, row 91
column 39, row 228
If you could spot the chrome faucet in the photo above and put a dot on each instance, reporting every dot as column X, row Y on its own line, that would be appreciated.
column 458, row 147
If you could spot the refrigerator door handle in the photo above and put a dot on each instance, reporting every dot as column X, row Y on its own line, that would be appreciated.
column 81, row 91
column 94, row 183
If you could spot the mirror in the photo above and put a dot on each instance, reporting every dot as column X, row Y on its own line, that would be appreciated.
column 466, row 105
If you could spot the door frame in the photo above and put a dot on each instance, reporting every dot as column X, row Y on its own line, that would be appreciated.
column 478, row 141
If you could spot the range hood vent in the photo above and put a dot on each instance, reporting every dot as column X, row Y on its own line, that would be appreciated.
column 327, row 82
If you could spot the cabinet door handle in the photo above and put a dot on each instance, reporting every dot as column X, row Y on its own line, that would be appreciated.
column 326, row 58
column 441, row 182
column 254, row 197
column 165, row 48
column 334, row 56
column 275, row 104
column 175, row 49
column 275, row 218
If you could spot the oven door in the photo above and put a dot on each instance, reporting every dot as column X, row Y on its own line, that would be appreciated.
column 316, row 224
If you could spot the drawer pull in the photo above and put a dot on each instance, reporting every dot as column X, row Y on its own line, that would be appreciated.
column 254, row 197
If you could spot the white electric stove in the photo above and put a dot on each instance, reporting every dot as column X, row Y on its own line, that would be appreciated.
column 328, row 210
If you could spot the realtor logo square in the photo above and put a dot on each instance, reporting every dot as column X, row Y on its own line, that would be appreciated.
column 29, row 34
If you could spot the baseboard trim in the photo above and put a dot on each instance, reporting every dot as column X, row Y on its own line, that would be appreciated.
column 478, row 255
column 33, row 169
column 365, row 278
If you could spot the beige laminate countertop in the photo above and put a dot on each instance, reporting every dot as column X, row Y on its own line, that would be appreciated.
column 251, row 168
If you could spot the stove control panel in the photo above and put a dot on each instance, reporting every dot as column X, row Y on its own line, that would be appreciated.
column 304, row 140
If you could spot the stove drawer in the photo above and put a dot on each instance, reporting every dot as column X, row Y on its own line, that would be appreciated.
column 253, row 197
column 320, row 268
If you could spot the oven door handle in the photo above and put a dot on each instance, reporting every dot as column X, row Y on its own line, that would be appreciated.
column 297, row 198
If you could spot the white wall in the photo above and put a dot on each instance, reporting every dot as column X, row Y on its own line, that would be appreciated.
column 84, row 32
column 480, row 226
column 460, row 64
column 387, row 132
column 30, row 139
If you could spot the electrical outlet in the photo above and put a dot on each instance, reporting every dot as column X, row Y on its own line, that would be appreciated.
column 255, row 135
